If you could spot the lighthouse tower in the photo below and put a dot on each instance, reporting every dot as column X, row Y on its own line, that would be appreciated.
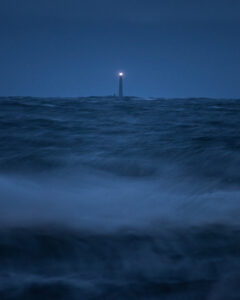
column 120, row 84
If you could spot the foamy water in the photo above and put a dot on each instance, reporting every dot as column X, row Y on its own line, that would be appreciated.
column 110, row 199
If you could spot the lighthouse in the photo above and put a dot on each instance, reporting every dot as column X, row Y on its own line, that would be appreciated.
column 120, row 84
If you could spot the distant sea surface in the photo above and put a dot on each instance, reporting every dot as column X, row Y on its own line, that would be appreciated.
column 113, row 199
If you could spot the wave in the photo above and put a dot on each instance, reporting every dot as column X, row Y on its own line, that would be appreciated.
column 108, row 199
column 174, row 263
column 100, row 200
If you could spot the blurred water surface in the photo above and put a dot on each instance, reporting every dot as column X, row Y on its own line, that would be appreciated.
column 103, row 198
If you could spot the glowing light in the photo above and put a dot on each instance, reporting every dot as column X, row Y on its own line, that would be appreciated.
column 121, row 74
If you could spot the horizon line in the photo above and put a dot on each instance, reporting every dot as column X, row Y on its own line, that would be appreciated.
column 115, row 96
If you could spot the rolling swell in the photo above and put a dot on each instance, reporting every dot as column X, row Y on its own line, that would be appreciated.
column 106, row 199
column 178, row 263
column 53, row 262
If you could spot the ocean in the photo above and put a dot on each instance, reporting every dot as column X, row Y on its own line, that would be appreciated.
column 102, row 198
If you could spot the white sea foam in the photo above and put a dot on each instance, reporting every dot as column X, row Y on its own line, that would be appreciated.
column 103, row 202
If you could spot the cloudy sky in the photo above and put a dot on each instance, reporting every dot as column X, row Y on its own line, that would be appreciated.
column 167, row 48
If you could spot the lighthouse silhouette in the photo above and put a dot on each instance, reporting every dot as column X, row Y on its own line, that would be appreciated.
column 120, row 75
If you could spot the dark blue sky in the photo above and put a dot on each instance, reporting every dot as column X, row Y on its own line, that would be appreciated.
column 167, row 48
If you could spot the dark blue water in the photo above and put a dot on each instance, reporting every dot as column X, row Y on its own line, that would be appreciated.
column 119, row 199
